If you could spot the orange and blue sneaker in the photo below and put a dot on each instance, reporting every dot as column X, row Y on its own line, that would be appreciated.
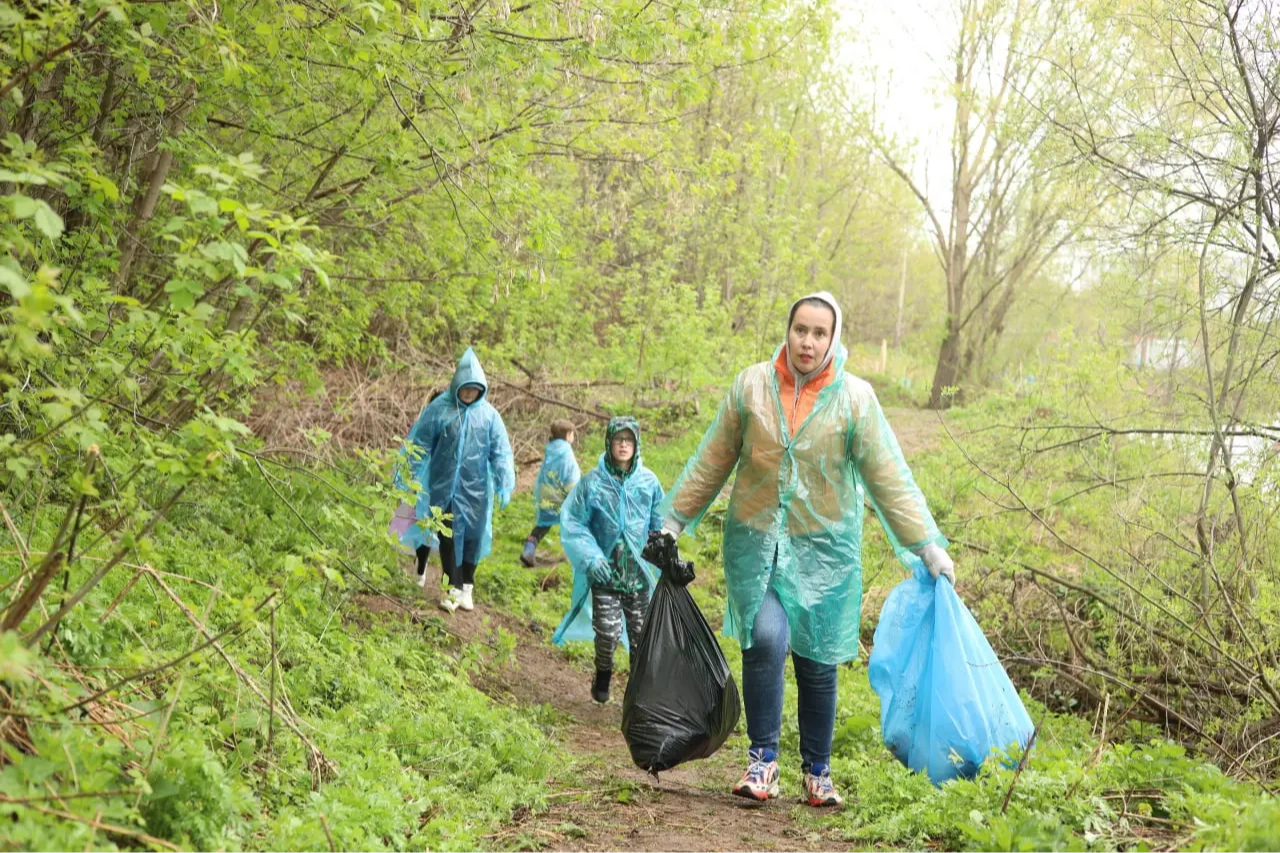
column 760, row 782
column 819, row 789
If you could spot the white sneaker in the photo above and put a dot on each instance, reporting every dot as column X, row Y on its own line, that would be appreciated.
column 465, row 601
column 451, row 601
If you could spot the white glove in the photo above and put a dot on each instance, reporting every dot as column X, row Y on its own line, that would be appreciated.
column 938, row 562
column 672, row 528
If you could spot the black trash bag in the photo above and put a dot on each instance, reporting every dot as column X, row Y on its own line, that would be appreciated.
column 662, row 551
column 681, row 702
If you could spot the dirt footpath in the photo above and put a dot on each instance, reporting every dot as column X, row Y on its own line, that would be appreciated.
column 601, row 801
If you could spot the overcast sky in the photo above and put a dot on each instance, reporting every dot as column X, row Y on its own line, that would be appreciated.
column 897, row 52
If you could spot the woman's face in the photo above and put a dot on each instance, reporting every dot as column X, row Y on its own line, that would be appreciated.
column 809, row 337
column 468, row 394
column 623, row 448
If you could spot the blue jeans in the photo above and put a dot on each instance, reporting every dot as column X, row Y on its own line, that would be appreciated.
column 763, row 666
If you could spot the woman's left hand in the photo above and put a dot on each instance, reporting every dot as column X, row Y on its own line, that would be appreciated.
column 938, row 562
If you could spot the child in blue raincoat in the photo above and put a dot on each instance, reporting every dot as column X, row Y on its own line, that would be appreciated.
column 604, row 526
column 461, row 457
column 556, row 478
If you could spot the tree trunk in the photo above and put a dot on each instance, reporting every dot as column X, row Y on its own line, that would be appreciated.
column 148, row 196
column 948, row 367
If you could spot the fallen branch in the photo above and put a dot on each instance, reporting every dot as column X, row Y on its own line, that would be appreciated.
column 109, row 827
column 316, row 536
column 1022, row 765
column 79, row 795
column 97, row 577
column 552, row 401
column 327, row 834
column 161, row 667
column 322, row 768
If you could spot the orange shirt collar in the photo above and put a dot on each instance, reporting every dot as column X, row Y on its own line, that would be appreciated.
column 798, row 410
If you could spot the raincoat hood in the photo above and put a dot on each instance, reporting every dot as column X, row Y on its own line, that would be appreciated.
column 836, row 348
column 617, row 425
column 469, row 372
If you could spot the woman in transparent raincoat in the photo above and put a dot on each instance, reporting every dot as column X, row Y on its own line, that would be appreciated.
column 460, row 455
column 604, row 525
column 808, row 442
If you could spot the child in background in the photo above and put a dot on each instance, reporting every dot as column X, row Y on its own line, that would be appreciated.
column 463, row 463
column 556, row 478
column 604, row 526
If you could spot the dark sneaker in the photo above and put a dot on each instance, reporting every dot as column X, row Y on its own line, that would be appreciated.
column 600, row 686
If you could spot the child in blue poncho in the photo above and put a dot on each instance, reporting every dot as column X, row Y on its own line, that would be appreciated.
column 604, row 526
column 556, row 478
column 460, row 456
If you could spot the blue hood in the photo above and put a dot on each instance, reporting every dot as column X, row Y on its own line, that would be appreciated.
column 469, row 372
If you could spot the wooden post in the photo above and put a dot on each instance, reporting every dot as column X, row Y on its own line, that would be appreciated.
column 902, row 297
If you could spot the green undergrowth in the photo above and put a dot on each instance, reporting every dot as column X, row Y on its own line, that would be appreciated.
column 423, row 760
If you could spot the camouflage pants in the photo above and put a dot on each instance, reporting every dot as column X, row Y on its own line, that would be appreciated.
column 609, row 610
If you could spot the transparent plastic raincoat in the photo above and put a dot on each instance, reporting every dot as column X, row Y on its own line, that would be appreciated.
column 601, row 510
column 460, row 455
column 556, row 478
column 795, row 513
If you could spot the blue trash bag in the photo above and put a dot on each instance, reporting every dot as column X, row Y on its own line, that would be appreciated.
column 945, row 700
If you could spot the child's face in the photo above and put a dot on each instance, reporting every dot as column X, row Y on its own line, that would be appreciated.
column 468, row 394
column 623, row 448
column 568, row 436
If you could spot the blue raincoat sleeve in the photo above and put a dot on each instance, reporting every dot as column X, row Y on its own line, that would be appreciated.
column 655, row 510
column 417, row 447
column 582, row 550
column 501, row 459
column 579, row 542
column 415, row 455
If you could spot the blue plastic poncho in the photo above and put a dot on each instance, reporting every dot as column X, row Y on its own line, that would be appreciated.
column 600, row 511
column 945, row 700
column 460, row 455
column 556, row 478
column 796, row 510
